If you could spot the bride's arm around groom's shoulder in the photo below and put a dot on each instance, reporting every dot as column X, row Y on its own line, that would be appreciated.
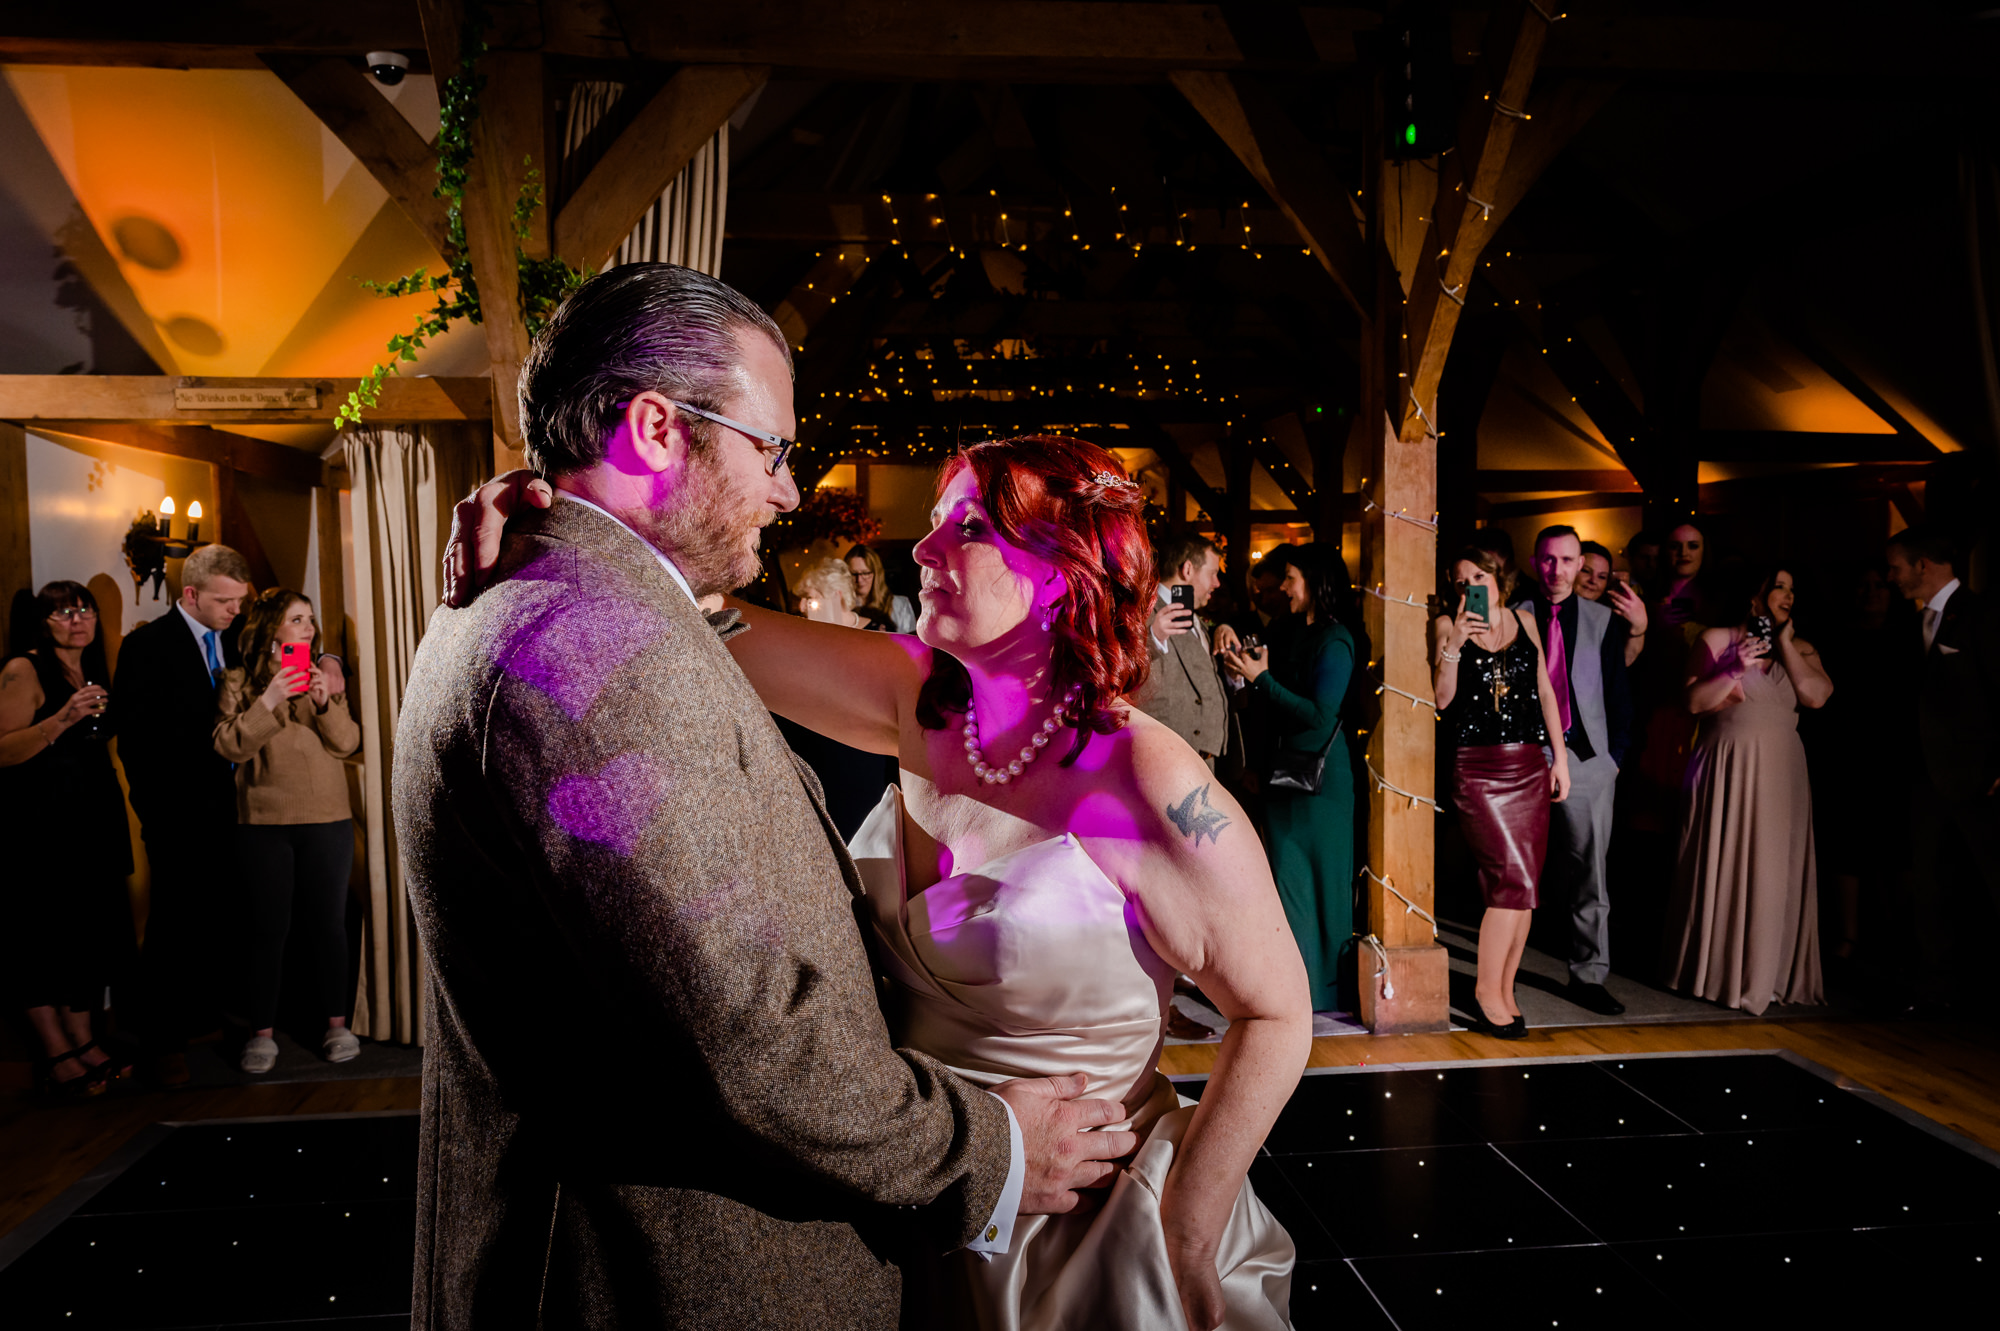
column 1198, row 875
column 857, row 688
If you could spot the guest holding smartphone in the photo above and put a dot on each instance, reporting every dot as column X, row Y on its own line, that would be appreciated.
column 1491, row 685
column 1744, row 918
column 284, row 723
column 1309, row 791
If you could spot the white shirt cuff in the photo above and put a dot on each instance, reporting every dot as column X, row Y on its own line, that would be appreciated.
column 1160, row 645
column 999, row 1230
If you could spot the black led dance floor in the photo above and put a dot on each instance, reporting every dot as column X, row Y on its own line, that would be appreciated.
column 1718, row 1191
column 303, row 1223
column 1721, row 1191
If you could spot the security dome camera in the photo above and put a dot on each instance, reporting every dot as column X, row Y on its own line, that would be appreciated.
column 388, row 67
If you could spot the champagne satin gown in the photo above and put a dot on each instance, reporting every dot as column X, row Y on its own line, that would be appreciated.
column 1031, row 966
column 1743, row 925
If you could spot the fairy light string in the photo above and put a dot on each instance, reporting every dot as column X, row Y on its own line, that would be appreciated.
column 1396, row 790
column 1409, row 907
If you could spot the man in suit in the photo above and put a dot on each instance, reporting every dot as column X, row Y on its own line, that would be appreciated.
column 1184, row 689
column 1584, row 644
column 657, row 1087
column 1958, row 738
column 185, row 795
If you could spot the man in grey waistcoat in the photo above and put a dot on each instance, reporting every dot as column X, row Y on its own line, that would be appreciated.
column 657, row 1088
column 1184, row 690
column 1584, row 643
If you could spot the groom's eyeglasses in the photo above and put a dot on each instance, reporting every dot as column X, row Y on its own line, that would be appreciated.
column 779, row 447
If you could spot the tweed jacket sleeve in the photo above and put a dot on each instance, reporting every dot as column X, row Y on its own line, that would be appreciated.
column 685, row 860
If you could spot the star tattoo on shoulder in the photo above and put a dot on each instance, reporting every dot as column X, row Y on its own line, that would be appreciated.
column 1197, row 818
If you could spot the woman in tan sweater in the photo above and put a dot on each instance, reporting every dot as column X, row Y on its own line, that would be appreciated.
column 287, row 729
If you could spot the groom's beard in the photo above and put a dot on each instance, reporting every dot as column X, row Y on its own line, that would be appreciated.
column 710, row 529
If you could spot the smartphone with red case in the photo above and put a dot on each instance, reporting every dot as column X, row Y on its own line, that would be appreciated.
column 299, row 656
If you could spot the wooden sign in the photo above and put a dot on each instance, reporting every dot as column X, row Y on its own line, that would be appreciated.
column 246, row 398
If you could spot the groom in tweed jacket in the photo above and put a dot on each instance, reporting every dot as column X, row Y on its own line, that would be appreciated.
column 658, row 1090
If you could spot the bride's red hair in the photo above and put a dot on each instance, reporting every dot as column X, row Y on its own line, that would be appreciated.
column 1070, row 503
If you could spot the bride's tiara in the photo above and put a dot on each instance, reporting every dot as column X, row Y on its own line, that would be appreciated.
column 1105, row 478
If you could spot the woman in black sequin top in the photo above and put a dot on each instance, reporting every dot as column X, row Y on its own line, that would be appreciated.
column 1491, row 684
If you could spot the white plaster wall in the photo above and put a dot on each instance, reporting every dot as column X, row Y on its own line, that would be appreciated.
column 79, row 509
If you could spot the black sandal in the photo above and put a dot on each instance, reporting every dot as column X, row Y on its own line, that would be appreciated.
column 111, row 1069
column 76, row 1088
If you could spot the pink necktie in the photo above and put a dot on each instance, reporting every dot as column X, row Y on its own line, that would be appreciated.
column 1559, row 666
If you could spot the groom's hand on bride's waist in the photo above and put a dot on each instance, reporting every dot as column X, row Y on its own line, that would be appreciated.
column 1062, row 1153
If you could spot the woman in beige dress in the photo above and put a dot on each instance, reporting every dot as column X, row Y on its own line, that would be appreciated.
column 1743, row 925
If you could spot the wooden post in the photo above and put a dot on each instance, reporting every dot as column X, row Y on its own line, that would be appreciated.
column 1403, row 972
column 508, row 140
column 17, row 569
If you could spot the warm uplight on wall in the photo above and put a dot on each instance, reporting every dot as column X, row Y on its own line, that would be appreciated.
column 167, row 516
column 194, row 520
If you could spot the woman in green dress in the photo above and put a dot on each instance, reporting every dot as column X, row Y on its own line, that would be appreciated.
column 1311, row 836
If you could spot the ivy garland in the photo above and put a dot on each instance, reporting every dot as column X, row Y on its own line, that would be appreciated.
column 543, row 282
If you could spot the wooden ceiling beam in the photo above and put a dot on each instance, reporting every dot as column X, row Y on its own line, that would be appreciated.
column 508, row 140
column 1605, row 481
column 1811, row 446
column 344, row 100
column 1022, row 39
column 1469, row 185
column 646, row 156
column 1003, row 317
column 958, row 221
column 1292, row 170
column 1206, row 497
column 203, row 443
column 1574, row 503
column 951, row 39
column 35, row 398
column 1070, row 411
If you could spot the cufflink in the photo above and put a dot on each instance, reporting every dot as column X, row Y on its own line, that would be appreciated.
column 992, row 1233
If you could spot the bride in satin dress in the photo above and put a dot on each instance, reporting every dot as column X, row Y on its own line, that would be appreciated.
column 1051, row 858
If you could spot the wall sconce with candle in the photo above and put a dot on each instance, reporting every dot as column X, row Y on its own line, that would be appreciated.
column 150, row 544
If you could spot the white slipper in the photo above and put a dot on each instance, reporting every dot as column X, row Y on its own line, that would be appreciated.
column 260, row 1055
column 340, row 1044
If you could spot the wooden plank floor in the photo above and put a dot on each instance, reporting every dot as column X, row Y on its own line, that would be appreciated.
column 1949, row 1073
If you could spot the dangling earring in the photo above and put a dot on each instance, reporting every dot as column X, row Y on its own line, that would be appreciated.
column 1048, row 617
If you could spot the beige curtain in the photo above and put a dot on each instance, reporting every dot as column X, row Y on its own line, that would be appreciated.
column 406, row 479
column 685, row 223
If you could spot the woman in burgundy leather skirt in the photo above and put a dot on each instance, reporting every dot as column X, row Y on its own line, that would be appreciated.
column 1492, row 689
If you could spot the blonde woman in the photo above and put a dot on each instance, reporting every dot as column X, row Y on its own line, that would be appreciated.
column 872, row 579
column 828, row 594
column 286, row 728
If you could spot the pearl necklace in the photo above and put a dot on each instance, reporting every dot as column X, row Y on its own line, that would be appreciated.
column 1000, row 776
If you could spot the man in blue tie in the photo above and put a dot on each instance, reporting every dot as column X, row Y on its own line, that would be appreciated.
column 163, row 697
